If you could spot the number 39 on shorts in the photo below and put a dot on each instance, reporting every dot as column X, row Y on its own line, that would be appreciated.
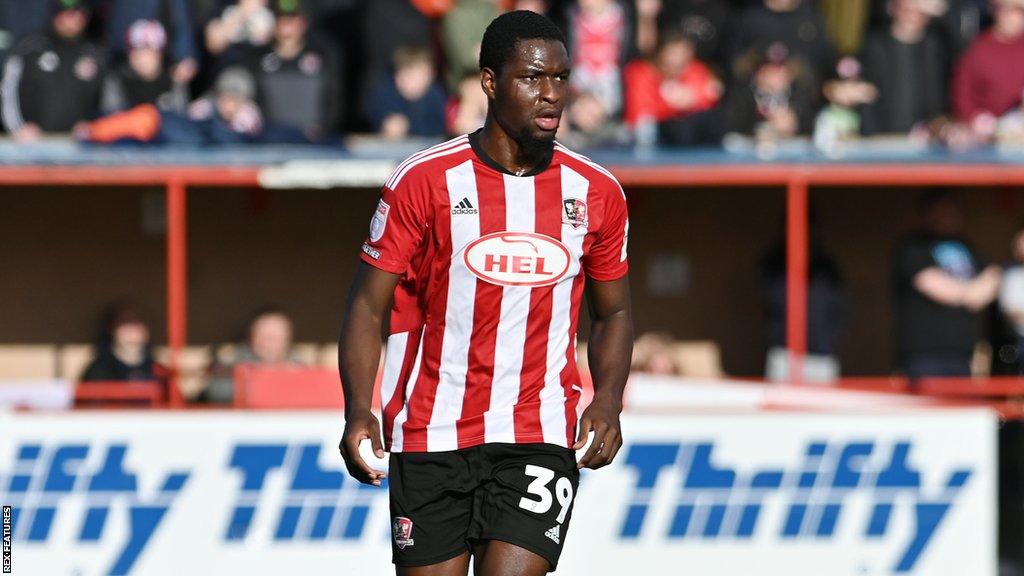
column 539, row 487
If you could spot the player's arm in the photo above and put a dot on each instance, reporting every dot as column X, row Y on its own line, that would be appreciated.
column 610, row 352
column 358, row 359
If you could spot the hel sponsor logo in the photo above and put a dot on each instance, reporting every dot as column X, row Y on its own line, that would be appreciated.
column 517, row 259
column 575, row 212
column 379, row 221
column 464, row 207
column 401, row 530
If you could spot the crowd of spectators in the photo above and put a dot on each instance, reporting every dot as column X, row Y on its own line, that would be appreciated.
column 645, row 72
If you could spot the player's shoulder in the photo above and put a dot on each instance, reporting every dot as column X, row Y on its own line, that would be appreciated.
column 430, row 163
column 599, row 177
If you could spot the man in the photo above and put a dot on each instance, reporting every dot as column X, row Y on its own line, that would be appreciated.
column 482, row 247
column 941, row 285
column 53, row 80
column 298, row 81
column 794, row 23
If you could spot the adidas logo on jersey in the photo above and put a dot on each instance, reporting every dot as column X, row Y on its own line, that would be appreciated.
column 554, row 534
column 464, row 207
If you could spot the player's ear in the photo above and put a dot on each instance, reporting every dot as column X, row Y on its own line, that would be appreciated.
column 488, row 81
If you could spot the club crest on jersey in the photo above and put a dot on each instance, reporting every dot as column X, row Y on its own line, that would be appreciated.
column 401, row 530
column 517, row 259
column 575, row 212
column 379, row 221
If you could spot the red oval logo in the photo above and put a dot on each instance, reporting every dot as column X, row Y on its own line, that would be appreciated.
column 517, row 259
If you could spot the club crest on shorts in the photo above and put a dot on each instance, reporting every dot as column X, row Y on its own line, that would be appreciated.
column 575, row 212
column 379, row 221
column 401, row 531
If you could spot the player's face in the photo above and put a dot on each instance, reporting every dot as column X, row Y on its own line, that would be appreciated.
column 531, row 90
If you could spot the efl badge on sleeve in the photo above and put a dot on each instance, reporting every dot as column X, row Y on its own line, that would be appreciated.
column 575, row 212
column 380, row 221
column 401, row 530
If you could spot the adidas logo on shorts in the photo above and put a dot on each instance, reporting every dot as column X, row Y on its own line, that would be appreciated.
column 553, row 534
column 464, row 207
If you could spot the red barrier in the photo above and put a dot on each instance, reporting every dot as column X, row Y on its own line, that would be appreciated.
column 119, row 394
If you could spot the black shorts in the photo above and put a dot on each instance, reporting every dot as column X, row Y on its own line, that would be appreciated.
column 444, row 502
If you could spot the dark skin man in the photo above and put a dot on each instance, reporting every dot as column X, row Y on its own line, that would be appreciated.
column 526, row 97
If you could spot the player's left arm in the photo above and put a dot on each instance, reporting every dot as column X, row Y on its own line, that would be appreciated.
column 610, row 352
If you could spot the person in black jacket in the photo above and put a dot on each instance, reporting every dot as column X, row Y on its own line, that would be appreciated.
column 123, row 352
column 53, row 80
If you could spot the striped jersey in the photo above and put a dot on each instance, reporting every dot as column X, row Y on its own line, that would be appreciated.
column 482, row 332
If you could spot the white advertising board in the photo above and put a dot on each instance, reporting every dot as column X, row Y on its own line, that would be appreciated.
column 697, row 494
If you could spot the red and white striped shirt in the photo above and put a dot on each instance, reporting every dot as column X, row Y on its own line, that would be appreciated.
column 482, row 344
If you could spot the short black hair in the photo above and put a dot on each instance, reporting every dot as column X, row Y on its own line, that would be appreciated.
column 503, row 32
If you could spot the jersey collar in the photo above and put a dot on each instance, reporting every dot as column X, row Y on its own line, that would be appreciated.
column 474, row 143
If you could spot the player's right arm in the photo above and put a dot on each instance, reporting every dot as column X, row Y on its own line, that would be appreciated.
column 358, row 358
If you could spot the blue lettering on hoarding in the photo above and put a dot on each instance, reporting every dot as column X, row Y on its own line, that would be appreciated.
column 716, row 501
column 43, row 476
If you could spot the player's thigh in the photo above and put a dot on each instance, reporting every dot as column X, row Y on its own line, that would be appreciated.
column 431, row 498
column 497, row 558
column 528, row 501
column 458, row 566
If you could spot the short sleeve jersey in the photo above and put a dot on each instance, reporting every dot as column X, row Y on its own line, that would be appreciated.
column 483, row 328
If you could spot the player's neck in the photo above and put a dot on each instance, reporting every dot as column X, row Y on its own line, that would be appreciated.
column 496, row 146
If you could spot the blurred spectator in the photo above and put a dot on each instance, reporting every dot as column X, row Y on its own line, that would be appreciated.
column 600, row 36
column 461, row 31
column 268, row 342
column 53, row 80
column 1011, row 296
column 142, row 79
column 794, row 23
column 468, row 109
column 941, row 285
column 588, row 124
column 387, row 26
column 671, row 84
column 826, row 310
column 176, row 18
column 123, row 352
column 847, row 94
column 908, row 63
column 653, row 354
column 297, row 79
column 775, row 99
column 704, row 21
column 228, row 115
column 989, row 78
column 241, row 30
column 410, row 102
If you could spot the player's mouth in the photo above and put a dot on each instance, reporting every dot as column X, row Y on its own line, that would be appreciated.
column 547, row 121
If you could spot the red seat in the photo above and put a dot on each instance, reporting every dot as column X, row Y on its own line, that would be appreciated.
column 119, row 394
column 258, row 386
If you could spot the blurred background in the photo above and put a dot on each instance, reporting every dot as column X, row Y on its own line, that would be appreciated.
column 827, row 261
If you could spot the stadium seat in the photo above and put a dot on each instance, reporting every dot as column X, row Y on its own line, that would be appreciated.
column 192, row 365
column 698, row 359
column 307, row 353
column 72, row 360
column 28, row 361
column 285, row 387
column 328, row 357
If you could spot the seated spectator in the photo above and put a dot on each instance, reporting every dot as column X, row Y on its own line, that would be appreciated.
column 228, row 115
column 142, row 79
column 123, row 352
column 908, row 62
column 670, row 85
column 1011, row 296
column 600, row 42
column 174, row 15
column 461, row 32
column 410, row 102
column 793, row 23
column 942, row 285
column 53, row 80
column 989, row 79
column 586, row 123
column 268, row 342
column 297, row 79
column 242, row 29
column 847, row 94
column 386, row 27
column 703, row 21
column 775, row 99
column 468, row 109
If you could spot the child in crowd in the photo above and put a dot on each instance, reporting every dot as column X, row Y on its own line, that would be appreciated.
column 143, row 79
column 778, row 100
column 840, row 119
column 410, row 102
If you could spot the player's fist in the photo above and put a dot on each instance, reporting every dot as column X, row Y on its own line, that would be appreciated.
column 601, row 417
column 359, row 427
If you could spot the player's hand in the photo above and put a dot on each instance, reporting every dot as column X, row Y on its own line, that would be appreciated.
column 357, row 429
column 601, row 417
